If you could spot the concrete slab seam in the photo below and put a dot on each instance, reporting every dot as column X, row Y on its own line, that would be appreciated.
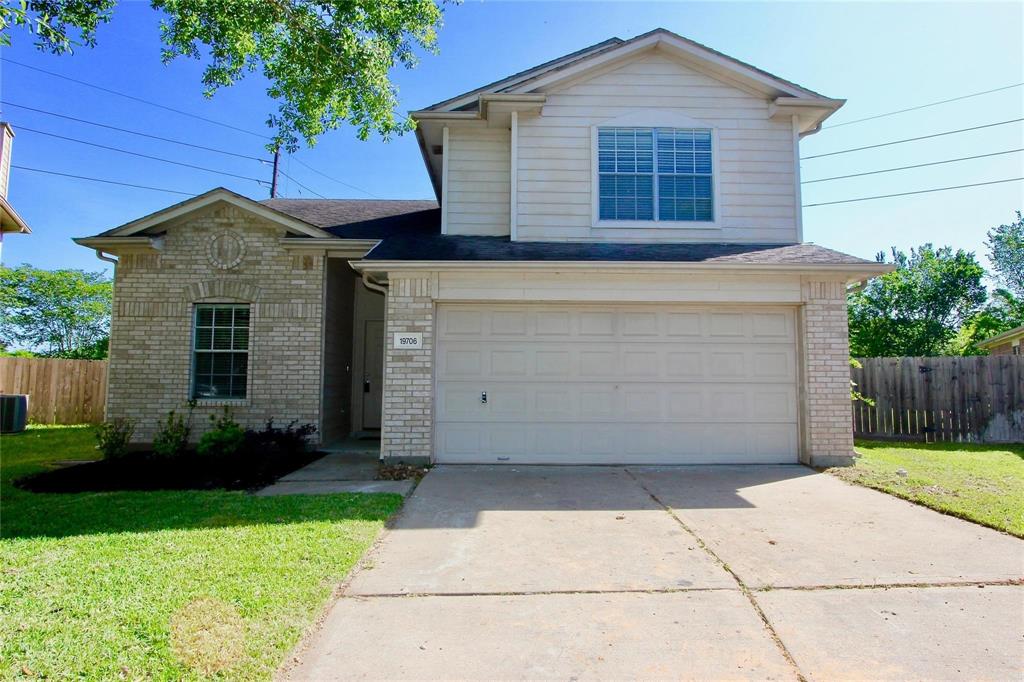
column 536, row 593
column 1011, row 582
column 747, row 592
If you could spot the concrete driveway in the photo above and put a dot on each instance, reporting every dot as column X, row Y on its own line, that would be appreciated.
column 752, row 572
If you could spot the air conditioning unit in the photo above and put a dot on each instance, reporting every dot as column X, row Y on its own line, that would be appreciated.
column 13, row 413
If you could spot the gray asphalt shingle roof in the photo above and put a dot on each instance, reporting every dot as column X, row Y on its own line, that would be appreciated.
column 410, row 230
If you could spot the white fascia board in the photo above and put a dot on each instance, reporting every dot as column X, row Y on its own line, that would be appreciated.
column 850, row 271
column 112, row 244
column 211, row 197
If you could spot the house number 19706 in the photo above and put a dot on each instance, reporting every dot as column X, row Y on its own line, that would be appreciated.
column 408, row 340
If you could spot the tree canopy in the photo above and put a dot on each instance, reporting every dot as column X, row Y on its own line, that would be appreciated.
column 918, row 308
column 327, row 62
column 59, row 313
column 1006, row 251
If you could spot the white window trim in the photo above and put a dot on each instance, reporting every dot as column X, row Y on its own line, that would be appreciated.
column 654, row 119
column 217, row 402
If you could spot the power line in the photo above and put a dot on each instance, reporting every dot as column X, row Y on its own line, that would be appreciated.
column 300, row 184
column 918, row 165
column 144, row 156
column 912, row 139
column 920, row 191
column 134, row 98
column 921, row 106
column 109, row 182
column 340, row 182
column 134, row 132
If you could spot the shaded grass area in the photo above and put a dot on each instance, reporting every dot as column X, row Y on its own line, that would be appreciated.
column 163, row 584
column 980, row 483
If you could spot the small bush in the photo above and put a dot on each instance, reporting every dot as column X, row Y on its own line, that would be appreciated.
column 171, row 439
column 271, row 439
column 112, row 437
column 224, row 438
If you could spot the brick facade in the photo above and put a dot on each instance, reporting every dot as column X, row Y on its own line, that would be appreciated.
column 828, row 430
column 408, row 417
column 151, row 330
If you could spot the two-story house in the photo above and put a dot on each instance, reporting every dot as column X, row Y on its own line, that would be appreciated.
column 614, row 272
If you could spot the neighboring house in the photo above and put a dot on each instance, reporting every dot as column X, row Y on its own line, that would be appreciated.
column 1007, row 343
column 10, row 221
column 615, row 273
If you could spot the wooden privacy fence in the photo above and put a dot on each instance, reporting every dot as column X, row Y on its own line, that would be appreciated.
column 957, row 399
column 59, row 391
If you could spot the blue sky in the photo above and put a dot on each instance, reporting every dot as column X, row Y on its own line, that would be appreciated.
column 880, row 57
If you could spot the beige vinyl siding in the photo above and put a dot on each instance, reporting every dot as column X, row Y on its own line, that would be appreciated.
column 754, row 163
column 479, row 168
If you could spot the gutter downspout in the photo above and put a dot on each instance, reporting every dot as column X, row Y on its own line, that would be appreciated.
column 103, row 256
column 374, row 286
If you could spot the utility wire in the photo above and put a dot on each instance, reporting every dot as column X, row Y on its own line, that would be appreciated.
column 920, row 191
column 281, row 172
column 134, row 132
column 171, row 109
column 917, row 165
column 912, row 139
column 134, row 98
column 144, row 156
column 109, row 182
column 921, row 106
column 340, row 182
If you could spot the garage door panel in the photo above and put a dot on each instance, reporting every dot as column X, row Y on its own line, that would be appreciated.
column 616, row 384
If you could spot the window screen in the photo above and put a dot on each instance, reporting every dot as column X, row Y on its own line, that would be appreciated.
column 220, row 351
column 655, row 174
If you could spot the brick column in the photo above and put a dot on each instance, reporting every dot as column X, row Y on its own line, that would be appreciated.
column 407, row 424
column 828, row 429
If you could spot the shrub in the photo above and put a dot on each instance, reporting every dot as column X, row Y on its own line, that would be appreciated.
column 289, row 440
column 171, row 439
column 224, row 438
column 112, row 437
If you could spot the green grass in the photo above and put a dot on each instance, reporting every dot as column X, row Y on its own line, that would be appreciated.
column 163, row 585
column 980, row 483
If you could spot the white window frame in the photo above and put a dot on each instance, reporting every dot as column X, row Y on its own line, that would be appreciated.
column 654, row 119
column 193, row 353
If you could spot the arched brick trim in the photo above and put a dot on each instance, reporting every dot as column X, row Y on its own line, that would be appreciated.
column 222, row 288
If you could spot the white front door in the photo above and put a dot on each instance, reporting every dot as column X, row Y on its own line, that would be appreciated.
column 590, row 384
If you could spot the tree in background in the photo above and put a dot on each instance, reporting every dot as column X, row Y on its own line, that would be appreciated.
column 61, row 313
column 1006, row 251
column 327, row 61
column 919, row 308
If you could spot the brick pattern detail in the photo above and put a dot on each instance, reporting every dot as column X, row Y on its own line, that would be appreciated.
column 828, row 431
column 407, row 419
column 151, row 330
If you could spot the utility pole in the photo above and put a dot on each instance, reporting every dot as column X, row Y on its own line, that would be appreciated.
column 273, row 180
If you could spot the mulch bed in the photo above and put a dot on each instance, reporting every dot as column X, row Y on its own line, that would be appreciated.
column 148, row 471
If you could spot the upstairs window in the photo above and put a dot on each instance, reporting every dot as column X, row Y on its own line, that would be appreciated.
column 657, row 174
column 220, row 352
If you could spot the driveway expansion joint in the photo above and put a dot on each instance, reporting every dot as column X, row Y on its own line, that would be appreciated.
column 747, row 592
column 536, row 593
column 1010, row 582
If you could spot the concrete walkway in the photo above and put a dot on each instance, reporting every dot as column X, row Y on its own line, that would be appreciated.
column 345, row 471
column 755, row 572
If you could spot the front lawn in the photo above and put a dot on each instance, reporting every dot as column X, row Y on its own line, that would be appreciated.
column 980, row 483
column 163, row 584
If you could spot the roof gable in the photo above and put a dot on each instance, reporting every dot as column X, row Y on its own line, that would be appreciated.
column 598, row 56
column 220, row 194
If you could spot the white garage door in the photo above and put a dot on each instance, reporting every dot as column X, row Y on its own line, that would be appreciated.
column 633, row 384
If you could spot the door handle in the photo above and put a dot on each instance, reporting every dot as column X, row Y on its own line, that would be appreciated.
column 366, row 384
column 483, row 397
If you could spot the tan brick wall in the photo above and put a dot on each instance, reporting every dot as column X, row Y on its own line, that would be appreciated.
column 408, row 418
column 828, row 432
column 151, row 330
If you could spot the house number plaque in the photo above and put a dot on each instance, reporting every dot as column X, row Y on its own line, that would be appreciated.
column 408, row 340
